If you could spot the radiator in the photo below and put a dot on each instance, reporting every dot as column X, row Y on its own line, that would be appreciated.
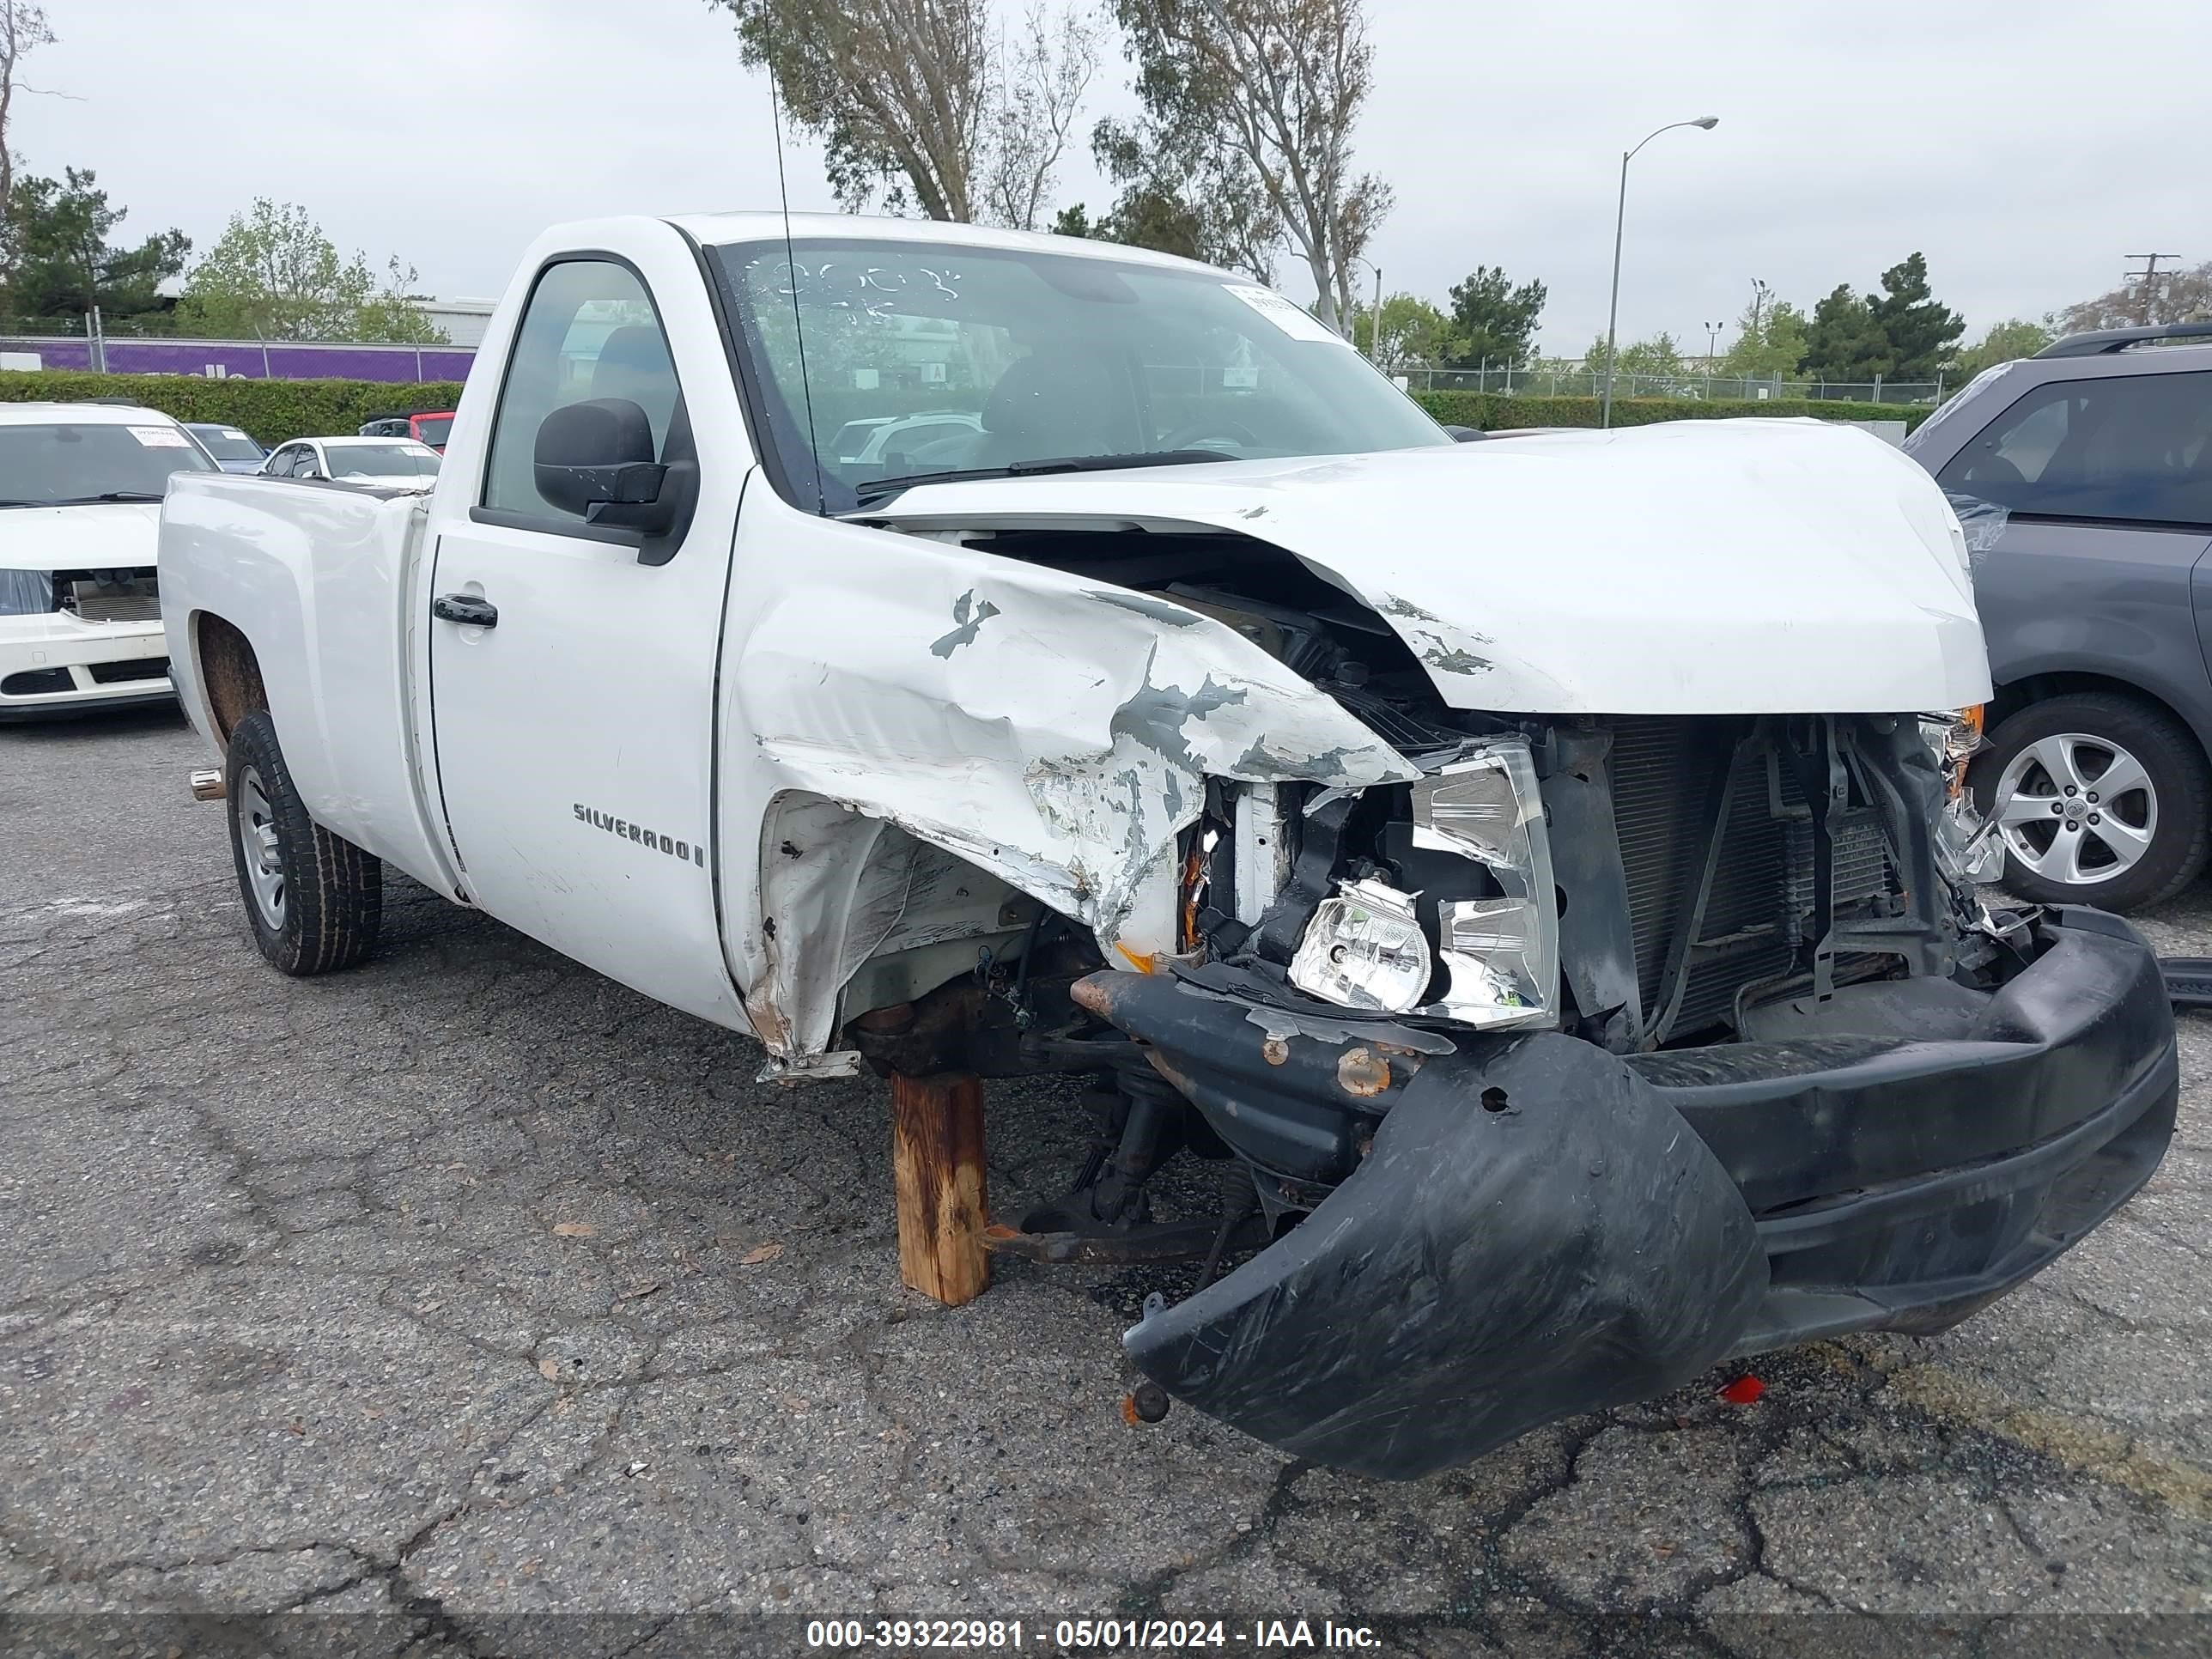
column 1757, row 916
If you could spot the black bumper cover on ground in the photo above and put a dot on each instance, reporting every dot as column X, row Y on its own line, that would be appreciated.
column 1540, row 1228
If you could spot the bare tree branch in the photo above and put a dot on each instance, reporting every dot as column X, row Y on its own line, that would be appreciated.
column 23, row 30
column 1036, row 95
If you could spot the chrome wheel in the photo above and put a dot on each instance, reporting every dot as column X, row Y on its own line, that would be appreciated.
column 2076, row 808
column 257, row 837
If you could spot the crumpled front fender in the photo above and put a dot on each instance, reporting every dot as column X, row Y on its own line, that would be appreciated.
column 1534, row 1233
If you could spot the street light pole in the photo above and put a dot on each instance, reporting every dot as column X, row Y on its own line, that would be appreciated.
column 1705, row 123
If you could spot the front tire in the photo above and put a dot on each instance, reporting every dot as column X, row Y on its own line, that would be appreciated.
column 314, row 899
column 2099, row 800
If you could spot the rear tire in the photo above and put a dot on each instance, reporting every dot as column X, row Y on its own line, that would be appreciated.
column 314, row 899
column 2069, row 841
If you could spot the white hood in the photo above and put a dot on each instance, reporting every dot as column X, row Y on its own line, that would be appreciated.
column 1695, row 568
column 99, row 535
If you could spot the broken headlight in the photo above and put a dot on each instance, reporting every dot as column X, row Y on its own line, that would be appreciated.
column 1363, row 949
column 1502, row 954
column 1366, row 948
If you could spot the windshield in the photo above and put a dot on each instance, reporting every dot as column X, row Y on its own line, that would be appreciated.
column 431, row 429
column 1021, row 357
column 382, row 461
column 227, row 443
column 48, row 465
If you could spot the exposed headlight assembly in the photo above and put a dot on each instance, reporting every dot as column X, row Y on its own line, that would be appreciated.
column 1502, row 954
column 1366, row 948
column 1363, row 949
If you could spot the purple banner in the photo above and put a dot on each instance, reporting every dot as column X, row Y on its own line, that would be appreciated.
column 285, row 360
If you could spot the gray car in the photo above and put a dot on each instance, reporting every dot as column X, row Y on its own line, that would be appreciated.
column 2096, row 599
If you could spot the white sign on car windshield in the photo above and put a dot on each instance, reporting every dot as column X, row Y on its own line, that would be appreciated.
column 1298, row 325
column 160, row 437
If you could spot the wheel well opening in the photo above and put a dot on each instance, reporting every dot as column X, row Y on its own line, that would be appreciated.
column 230, row 672
column 2021, row 694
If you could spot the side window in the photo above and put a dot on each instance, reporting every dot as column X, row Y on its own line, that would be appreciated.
column 589, row 332
column 303, row 464
column 2136, row 448
column 279, row 463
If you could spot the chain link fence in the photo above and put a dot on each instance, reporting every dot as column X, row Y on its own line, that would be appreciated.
column 1581, row 381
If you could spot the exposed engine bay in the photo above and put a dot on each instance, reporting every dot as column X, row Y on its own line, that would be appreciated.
column 1639, row 882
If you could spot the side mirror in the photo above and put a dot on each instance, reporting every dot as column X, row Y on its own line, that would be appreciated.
column 1466, row 435
column 596, row 459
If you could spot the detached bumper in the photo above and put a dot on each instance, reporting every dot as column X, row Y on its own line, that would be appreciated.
column 1539, row 1228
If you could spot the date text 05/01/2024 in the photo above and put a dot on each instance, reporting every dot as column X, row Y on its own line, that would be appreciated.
column 989, row 1635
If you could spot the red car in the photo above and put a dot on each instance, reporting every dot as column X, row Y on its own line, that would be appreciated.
column 425, row 429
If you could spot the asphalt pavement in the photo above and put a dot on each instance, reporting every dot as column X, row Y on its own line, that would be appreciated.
column 467, row 1289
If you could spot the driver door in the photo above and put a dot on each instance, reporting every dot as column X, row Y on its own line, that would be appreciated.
column 573, row 664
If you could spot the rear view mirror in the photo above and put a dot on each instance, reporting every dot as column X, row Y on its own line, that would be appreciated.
column 596, row 459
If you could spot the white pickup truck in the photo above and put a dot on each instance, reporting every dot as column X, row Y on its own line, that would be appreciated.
column 1538, row 867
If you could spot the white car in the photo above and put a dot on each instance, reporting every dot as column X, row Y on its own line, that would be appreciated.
column 870, row 441
column 81, row 487
column 396, row 462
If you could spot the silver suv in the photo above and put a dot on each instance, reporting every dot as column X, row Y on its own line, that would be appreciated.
column 2096, row 599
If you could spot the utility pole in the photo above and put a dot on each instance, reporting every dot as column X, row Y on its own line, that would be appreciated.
column 2145, row 275
column 1712, row 334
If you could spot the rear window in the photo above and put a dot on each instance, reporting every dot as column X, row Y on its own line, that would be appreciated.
column 381, row 461
column 432, row 429
column 66, row 463
column 2133, row 448
column 227, row 443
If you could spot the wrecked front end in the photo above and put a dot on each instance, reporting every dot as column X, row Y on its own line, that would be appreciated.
column 1552, row 1059
column 1602, row 1051
column 1791, row 1079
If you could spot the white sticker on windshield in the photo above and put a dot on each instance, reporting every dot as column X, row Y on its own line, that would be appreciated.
column 160, row 437
column 1298, row 325
column 233, row 432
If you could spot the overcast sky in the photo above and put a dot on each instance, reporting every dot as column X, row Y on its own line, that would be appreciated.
column 2018, row 142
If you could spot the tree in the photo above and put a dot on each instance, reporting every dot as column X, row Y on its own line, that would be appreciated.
column 1413, row 331
column 1659, row 355
column 2183, row 294
column 64, row 262
column 1254, row 103
column 1494, row 320
column 274, row 275
column 1844, row 341
column 1920, row 332
column 1179, row 198
column 23, row 30
column 1039, row 90
column 394, row 314
column 916, row 105
column 1770, row 340
column 2016, row 338
column 896, row 90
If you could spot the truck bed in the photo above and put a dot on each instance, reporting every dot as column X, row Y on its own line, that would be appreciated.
column 329, row 582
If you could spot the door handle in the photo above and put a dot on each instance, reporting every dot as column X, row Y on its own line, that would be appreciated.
column 465, row 609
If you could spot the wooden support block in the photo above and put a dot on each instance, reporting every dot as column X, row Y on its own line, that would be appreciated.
column 943, row 1196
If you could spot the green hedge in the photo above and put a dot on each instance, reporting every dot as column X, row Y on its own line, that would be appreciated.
column 274, row 411
column 1489, row 411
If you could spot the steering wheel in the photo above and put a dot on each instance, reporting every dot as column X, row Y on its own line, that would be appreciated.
column 1197, row 435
